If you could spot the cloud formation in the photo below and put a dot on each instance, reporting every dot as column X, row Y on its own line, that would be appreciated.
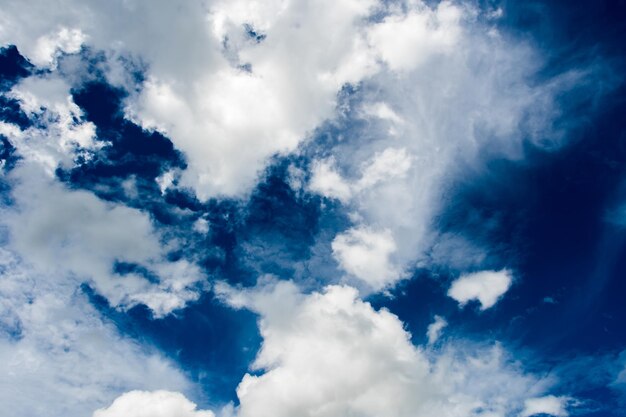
column 49, row 222
column 152, row 404
column 60, row 357
column 427, row 119
column 384, row 105
column 330, row 354
column 550, row 405
column 487, row 287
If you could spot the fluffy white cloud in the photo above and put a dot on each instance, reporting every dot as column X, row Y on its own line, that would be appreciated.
column 453, row 92
column 152, row 404
column 485, row 286
column 330, row 354
column 384, row 166
column 60, row 136
column 235, row 82
column 59, row 356
column 438, row 89
column 226, row 100
column 49, row 47
column 406, row 40
column 54, row 345
column 550, row 405
column 326, row 181
column 435, row 329
column 230, row 102
column 366, row 254
column 71, row 232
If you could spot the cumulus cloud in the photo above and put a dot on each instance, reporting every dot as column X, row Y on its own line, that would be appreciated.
column 49, row 223
column 227, row 100
column 384, row 166
column 49, row 47
column 366, row 254
column 60, row 135
column 330, row 354
column 487, row 287
column 152, row 404
column 230, row 100
column 55, row 346
column 325, row 180
column 422, row 31
column 548, row 405
column 59, row 356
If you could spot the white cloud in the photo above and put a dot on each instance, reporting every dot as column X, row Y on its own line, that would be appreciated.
column 435, row 329
column 74, row 232
column 451, row 88
column 202, row 226
column 387, row 165
column 326, row 181
column 436, row 85
column 330, row 354
column 229, row 121
column 453, row 93
column 64, row 359
column 405, row 41
column 50, row 46
column 550, row 405
column 384, row 166
column 487, row 287
column 165, row 181
column 152, row 404
column 70, row 232
column 382, row 111
column 60, row 136
column 366, row 254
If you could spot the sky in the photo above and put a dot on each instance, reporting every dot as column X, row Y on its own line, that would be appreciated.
column 298, row 208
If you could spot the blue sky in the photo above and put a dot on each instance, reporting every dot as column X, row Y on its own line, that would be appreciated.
column 312, row 208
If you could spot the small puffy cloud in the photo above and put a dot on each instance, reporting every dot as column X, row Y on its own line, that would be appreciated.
column 202, row 226
column 60, row 135
column 485, row 286
column 326, row 181
column 548, row 405
column 152, row 404
column 365, row 253
column 435, row 329
column 384, row 166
